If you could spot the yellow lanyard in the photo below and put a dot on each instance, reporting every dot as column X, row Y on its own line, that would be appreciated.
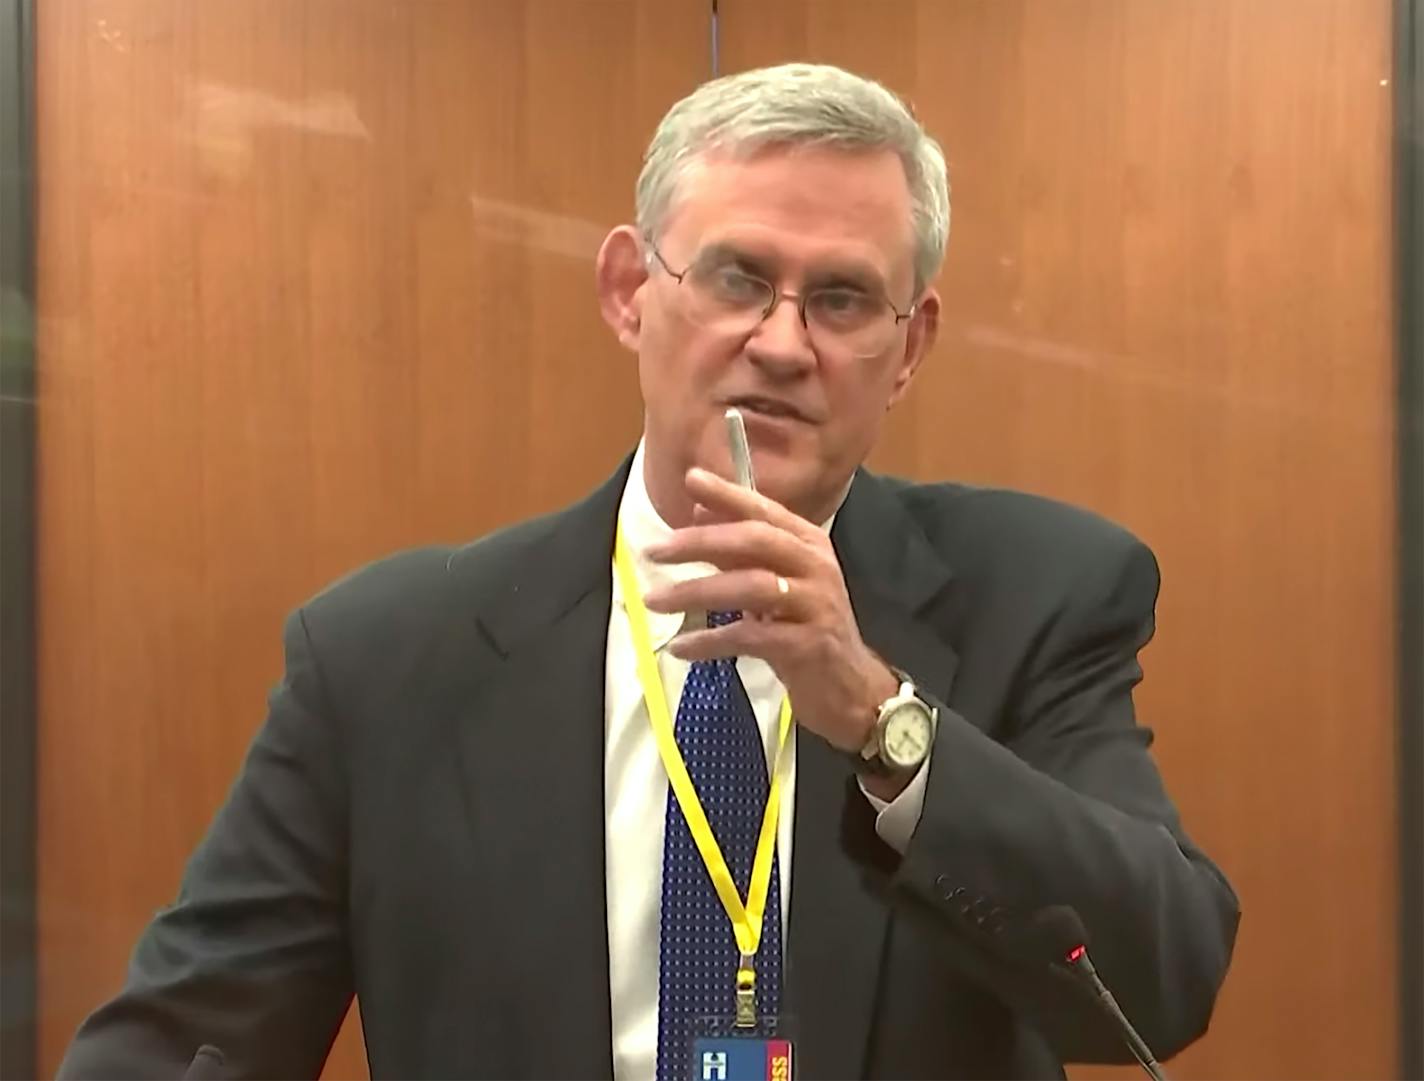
column 746, row 918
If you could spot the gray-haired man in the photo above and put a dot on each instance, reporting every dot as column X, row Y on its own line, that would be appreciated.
column 549, row 809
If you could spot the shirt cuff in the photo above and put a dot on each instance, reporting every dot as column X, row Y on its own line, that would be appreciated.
column 895, row 821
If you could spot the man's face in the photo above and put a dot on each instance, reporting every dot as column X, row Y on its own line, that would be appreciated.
column 802, row 219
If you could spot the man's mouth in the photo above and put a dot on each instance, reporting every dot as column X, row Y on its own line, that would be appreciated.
column 767, row 407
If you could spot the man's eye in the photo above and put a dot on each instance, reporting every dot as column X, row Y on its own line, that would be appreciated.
column 733, row 286
column 841, row 305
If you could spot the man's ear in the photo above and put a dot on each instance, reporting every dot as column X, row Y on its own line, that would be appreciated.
column 924, row 328
column 620, row 274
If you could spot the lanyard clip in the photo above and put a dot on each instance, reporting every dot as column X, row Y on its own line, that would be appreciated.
column 746, row 1016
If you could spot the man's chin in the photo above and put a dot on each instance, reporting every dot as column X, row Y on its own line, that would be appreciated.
column 795, row 489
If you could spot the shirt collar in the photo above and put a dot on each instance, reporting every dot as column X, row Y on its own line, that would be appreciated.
column 643, row 527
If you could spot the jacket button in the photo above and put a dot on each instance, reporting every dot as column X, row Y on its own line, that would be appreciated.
column 945, row 887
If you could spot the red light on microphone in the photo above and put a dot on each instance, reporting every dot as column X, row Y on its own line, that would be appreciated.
column 1075, row 953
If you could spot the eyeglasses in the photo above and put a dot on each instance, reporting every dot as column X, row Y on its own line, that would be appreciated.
column 723, row 297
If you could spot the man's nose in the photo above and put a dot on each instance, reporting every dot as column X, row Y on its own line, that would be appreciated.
column 781, row 340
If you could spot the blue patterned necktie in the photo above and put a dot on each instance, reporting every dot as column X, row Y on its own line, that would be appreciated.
column 720, row 742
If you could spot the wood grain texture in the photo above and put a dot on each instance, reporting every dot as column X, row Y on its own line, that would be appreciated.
column 315, row 283
column 1168, row 298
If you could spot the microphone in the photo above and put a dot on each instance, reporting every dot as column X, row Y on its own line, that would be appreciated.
column 1058, row 932
column 207, row 1065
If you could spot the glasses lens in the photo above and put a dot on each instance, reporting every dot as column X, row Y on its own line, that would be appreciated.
column 849, row 321
column 723, row 297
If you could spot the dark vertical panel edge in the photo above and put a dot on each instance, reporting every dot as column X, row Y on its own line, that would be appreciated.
column 18, row 984
column 716, row 39
column 1409, row 231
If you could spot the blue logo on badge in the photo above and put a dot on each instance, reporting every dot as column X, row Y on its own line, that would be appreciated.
column 714, row 1066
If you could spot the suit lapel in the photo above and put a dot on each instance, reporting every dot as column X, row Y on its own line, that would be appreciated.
column 533, row 761
column 839, row 906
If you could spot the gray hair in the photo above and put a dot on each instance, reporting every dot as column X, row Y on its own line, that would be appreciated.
column 790, row 105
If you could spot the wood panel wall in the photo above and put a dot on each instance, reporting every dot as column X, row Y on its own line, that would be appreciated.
column 315, row 283
column 1168, row 297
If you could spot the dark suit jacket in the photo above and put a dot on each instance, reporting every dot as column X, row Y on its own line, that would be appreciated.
column 420, row 821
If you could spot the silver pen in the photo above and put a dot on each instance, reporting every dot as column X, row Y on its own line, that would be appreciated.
column 741, row 449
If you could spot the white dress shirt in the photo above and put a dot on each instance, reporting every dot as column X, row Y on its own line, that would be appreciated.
column 636, row 785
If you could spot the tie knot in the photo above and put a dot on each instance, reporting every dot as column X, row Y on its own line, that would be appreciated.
column 721, row 619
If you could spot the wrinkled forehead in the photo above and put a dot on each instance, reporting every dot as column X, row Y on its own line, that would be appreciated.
column 798, row 209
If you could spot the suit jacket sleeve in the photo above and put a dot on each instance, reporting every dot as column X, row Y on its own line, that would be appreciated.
column 252, row 957
column 1070, row 809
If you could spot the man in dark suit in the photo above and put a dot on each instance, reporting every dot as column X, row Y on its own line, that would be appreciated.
column 459, row 807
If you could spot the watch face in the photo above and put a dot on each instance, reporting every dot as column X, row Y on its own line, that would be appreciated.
column 908, row 734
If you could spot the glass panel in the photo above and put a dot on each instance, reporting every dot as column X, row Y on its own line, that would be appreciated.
column 315, row 284
column 1168, row 298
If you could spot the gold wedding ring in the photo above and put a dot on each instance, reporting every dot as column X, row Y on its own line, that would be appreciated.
column 783, row 589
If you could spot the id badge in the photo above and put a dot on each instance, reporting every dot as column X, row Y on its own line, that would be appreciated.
column 722, row 1051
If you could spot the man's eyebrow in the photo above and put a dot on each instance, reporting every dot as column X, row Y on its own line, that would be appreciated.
column 854, row 275
column 838, row 274
column 724, row 252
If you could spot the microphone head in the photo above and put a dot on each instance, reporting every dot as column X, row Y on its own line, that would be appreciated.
column 1054, row 935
